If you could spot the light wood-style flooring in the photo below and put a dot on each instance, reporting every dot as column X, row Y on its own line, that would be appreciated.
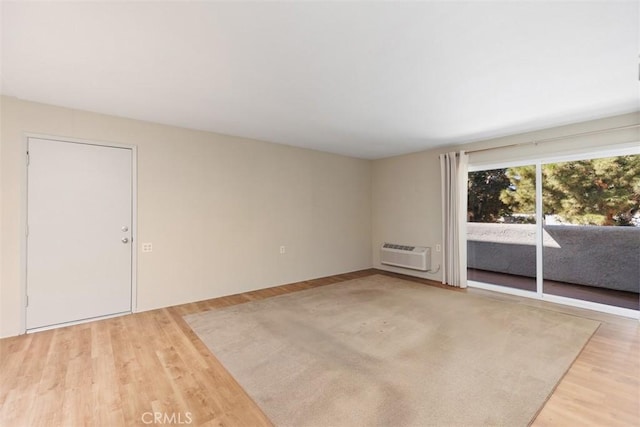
column 120, row 371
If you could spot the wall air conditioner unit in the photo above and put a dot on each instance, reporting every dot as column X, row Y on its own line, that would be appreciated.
column 413, row 257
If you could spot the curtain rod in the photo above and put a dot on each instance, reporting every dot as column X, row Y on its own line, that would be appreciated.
column 557, row 138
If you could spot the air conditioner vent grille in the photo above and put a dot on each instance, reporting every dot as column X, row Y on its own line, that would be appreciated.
column 401, row 247
column 406, row 256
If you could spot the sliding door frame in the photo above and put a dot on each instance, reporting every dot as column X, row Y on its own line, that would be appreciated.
column 538, row 162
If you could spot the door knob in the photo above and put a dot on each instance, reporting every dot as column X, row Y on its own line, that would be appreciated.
column 125, row 240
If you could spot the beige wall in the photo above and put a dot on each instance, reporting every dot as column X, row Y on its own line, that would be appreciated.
column 216, row 208
column 406, row 200
column 406, row 206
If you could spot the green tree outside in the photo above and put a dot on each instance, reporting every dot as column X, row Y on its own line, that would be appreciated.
column 602, row 191
column 484, row 196
column 521, row 196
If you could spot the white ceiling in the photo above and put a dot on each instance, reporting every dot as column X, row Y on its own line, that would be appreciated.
column 358, row 78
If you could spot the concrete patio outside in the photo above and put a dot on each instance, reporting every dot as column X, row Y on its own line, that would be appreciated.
column 594, row 263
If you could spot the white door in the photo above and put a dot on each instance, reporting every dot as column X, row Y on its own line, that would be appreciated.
column 79, row 217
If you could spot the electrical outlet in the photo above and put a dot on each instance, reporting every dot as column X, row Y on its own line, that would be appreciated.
column 438, row 247
column 147, row 247
column 282, row 250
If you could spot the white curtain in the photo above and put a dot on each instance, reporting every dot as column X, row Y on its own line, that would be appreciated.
column 453, row 170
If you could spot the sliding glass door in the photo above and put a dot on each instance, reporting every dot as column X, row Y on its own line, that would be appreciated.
column 501, row 227
column 592, row 229
column 567, row 231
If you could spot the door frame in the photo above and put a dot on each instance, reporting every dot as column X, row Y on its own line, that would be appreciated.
column 538, row 162
column 24, row 217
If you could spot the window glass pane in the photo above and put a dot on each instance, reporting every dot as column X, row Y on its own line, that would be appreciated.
column 501, row 231
column 592, row 230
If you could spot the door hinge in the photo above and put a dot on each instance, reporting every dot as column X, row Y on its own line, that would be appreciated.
column 27, row 301
column 28, row 158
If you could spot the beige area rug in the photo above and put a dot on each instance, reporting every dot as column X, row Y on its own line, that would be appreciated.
column 380, row 351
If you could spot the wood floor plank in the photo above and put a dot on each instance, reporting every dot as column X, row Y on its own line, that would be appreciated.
column 116, row 371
